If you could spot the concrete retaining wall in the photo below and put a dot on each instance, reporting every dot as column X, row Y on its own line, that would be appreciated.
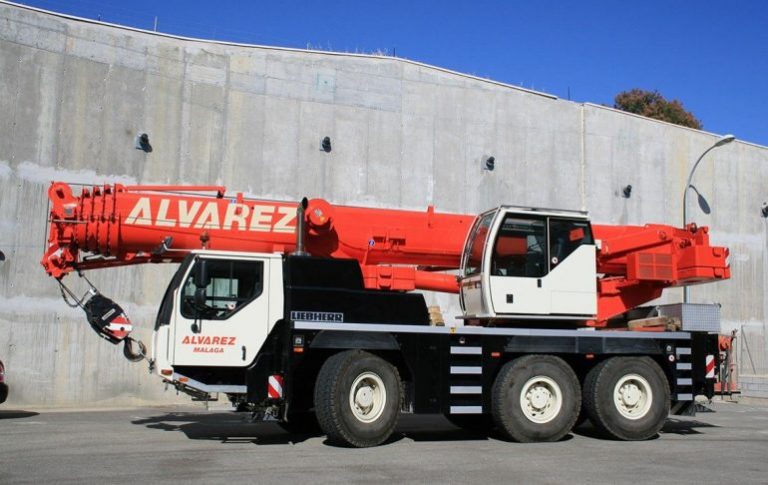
column 74, row 95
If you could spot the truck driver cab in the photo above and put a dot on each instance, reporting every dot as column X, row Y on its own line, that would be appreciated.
column 530, row 264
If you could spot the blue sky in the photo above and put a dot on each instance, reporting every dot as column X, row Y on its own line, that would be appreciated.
column 711, row 55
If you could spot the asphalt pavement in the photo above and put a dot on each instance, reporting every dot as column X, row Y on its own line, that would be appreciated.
column 190, row 445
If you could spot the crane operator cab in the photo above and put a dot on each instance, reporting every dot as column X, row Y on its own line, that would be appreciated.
column 529, row 264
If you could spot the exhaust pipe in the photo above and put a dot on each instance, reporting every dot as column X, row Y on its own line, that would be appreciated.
column 301, row 229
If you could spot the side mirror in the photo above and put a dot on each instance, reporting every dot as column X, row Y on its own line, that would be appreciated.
column 202, row 279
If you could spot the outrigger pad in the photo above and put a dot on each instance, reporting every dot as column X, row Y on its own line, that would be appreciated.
column 107, row 318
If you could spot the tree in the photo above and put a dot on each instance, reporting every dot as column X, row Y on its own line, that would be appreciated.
column 653, row 105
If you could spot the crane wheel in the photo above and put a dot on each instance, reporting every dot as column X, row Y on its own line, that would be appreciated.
column 627, row 398
column 536, row 398
column 357, row 399
column 582, row 416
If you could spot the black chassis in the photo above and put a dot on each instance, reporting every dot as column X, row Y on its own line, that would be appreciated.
column 439, row 365
column 433, row 361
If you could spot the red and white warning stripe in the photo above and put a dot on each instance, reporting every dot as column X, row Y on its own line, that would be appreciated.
column 275, row 386
column 120, row 327
column 710, row 367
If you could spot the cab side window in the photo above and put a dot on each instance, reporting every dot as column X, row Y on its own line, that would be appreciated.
column 520, row 248
column 232, row 285
column 565, row 237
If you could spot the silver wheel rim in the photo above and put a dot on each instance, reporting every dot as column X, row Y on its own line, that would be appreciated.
column 367, row 397
column 541, row 399
column 632, row 396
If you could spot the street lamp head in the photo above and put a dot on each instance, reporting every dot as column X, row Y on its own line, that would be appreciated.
column 724, row 140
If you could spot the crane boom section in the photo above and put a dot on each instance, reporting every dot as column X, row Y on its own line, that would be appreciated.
column 114, row 225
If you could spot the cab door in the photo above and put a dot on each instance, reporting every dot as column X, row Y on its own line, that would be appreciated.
column 542, row 265
column 517, row 265
column 226, row 327
column 572, row 277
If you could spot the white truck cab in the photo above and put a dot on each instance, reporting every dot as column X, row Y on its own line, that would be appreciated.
column 240, row 297
column 529, row 263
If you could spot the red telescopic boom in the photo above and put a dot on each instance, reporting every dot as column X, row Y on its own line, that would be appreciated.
column 115, row 225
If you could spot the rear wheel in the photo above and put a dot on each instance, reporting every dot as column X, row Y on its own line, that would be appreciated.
column 536, row 398
column 627, row 398
column 357, row 398
column 582, row 417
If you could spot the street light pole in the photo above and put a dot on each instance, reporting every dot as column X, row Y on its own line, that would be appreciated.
column 724, row 140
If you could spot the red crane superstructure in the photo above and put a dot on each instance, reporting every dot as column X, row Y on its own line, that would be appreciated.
column 116, row 225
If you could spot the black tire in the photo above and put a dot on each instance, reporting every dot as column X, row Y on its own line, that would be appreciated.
column 602, row 407
column 332, row 399
column 304, row 422
column 583, row 416
column 480, row 423
column 513, row 379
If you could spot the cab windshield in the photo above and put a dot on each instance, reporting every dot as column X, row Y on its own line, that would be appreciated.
column 473, row 253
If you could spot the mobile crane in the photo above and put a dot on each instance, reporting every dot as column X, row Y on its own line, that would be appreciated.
column 303, row 312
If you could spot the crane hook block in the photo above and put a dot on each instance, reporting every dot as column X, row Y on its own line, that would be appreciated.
column 107, row 318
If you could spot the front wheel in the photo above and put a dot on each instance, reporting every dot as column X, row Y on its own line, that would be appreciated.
column 627, row 398
column 357, row 398
column 536, row 398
